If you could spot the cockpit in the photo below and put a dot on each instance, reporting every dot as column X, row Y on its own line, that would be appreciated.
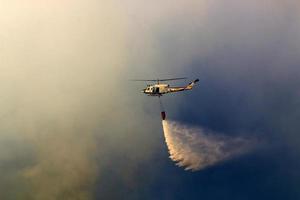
column 152, row 89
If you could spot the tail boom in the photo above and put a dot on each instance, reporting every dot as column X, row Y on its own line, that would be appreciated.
column 179, row 89
column 191, row 84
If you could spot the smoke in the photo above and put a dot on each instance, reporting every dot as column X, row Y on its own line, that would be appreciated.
column 196, row 148
column 56, row 59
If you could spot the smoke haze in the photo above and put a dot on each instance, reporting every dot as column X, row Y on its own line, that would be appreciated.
column 72, row 126
column 52, row 64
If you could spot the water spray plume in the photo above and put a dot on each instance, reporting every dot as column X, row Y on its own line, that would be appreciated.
column 196, row 148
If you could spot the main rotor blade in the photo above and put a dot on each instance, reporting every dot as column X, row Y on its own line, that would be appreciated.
column 143, row 80
column 170, row 79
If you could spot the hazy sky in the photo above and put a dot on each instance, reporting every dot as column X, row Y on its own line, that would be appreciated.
column 73, row 127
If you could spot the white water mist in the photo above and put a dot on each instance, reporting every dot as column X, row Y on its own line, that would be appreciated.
column 195, row 148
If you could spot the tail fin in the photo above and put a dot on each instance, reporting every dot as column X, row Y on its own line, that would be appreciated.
column 191, row 84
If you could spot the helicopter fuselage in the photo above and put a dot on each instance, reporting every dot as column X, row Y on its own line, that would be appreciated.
column 160, row 89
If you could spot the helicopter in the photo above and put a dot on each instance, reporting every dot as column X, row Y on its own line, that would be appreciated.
column 160, row 89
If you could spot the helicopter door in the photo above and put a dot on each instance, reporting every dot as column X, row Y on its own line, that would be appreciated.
column 157, row 90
